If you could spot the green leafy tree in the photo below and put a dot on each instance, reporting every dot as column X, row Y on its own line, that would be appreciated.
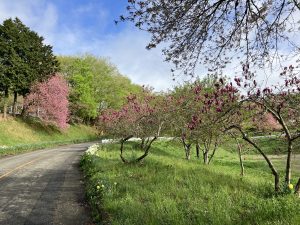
column 95, row 86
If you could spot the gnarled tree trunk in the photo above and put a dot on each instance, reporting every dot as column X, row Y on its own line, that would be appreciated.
column 146, row 149
column 187, row 149
column 270, row 164
column 122, row 147
column 205, row 150
column 239, row 148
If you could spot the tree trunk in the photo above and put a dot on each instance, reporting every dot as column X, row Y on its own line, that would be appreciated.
column 122, row 148
column 147, row 148
column 5, row 104
column 187, row 149
column 270, row 164
column 297, row 188
column 14, row 109
column 288, row 171
column 205, row 157
column 276, row 182
column 239, row 150
column 198, row 151
column 241, row 159
column 142, row 143
column 188, row 152
column 23, row 112
column 214, row 151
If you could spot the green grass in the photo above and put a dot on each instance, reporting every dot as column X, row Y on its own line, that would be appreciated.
column 167, row 189
column 274, row 145
column 18, row 135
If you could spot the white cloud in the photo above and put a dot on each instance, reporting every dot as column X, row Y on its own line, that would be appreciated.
column 37, row 14
column 125, row 49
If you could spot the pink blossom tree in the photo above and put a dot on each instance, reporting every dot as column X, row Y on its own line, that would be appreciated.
column 200, row 110
column 267, row 123
column 281, row 101
column 49, row 101
column 142, row 117
column 231, row 106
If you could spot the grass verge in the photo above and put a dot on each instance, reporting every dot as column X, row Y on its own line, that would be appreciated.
column 167, row 189
column 18, row 136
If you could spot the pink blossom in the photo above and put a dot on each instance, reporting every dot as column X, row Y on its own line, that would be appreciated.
column 49, row 100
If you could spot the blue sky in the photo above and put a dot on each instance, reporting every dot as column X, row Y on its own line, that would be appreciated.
column 76, row 27
column 87, row 26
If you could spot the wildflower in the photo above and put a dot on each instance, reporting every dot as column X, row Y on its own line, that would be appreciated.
column 290, row 186
column 115, row 183
column 102, row 185
column 98, row 187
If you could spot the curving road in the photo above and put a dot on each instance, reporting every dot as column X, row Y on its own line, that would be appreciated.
column 43, row 187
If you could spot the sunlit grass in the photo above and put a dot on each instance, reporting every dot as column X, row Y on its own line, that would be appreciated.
column 17, row 135
column 167, row 189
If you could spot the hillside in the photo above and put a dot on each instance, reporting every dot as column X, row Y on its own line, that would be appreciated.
column 21, row 135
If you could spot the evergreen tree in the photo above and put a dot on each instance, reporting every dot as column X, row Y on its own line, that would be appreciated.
column 24, row 59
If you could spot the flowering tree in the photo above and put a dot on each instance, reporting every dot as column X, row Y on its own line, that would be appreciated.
column 227, row 108
column 181, row 116
column 215, row 33
column 218, row 98
column 200, row 107
column 266, row 122
column 281, row 101
column 49, row 101
column 142, row 117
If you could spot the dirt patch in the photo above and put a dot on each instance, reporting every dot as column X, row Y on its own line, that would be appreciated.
column 2, row 119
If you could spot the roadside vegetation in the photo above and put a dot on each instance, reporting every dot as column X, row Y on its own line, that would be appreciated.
column 168, row 189
column 18, row 135
column 47, row 100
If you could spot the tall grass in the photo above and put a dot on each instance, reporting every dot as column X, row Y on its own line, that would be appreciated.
column 167, row 189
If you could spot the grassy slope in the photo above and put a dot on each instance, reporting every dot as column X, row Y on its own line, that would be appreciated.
column 19, row 135
column 268, row 145
column 166, row 189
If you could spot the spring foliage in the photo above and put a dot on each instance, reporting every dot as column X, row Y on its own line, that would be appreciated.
column 95, row 85
column 49, row 101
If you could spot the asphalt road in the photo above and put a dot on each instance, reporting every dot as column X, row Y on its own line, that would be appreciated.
column 43, row 187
